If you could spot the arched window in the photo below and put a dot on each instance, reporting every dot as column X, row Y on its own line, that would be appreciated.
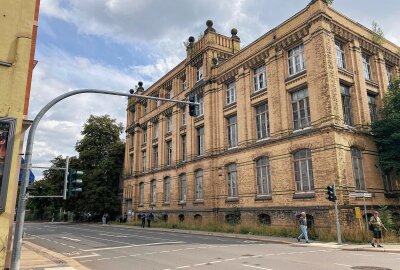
column 141, row 193
column 153, row 191
column 303, row 171
column 182, row 188
column 232, row 180
column 263, row 176
column 358, row 170
column 198, row 218
column 199, row 184
column 264, row 219
column 232, row 218
column 167, row 183
column 181, row 217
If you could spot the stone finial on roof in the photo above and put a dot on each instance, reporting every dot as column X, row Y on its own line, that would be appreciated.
column 234, row 32
column 209, row 24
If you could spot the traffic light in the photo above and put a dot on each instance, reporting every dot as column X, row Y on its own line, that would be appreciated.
column 74, row 182
column 331, row 193
column 192, row 107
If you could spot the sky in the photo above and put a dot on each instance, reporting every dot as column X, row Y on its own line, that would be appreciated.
column 114, row 44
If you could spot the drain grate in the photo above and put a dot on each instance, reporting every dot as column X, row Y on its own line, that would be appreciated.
column 369, row 268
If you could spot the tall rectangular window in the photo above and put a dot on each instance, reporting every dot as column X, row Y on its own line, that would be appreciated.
column 143, row 161
column 131, row 163
column 262, row 121
column 144, row 109
column 183, row 83
column 372, row 107
column 230, row 93
column 301, row 109
column 155, row 156
column 144, row 135
column 296, row 61
column 158, row 102
column 303, row 170
column 388, row 73
column 184, row 116
column 232, row 180
column 367, row 67
column 340, row 55
column 199, row 184
column 155, row 130
column 141, row 193
column 169, row 123
column 182, row 188
column 183, row 149
column 263, row 176
column 358, row 170
column 169, row 153
column 200, row 141
column 170, row 93
column 167, row 183
column 231, row 125
column 259, row 78
column 346, row 104
column 199, row 109
column 199, row 73
column 153, row 192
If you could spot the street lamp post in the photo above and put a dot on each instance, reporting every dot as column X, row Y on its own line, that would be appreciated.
column 19, row 224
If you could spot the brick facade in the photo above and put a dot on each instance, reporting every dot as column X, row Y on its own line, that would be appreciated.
column 300, row 69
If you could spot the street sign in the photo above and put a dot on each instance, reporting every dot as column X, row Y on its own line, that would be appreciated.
column 360, row 195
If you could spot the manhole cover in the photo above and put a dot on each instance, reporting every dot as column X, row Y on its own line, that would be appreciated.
column 369, row 268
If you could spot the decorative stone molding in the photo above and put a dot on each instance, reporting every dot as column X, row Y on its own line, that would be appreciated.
column 155, row 119
column 168, row 112
column 256, row 60
column 294, row 147
column 357, row 144
column 291, row 39
column 143, row 125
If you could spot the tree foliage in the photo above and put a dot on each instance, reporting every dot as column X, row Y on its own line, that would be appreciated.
column 387, row 130
column 378, row 35
column 101, row 154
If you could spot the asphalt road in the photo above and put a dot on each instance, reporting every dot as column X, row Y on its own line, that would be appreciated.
column 107, row 247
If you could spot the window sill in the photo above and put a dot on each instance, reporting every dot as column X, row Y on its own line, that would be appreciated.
column 166, row 204
column 232, row 200
column 230, row 105
column 263, row 197
column 141, row 205
column 302, row 129
column 233, row 148
column 182, row 203
column 262, row 140
column 258, row 92
column 294, row 76
column 304, row 195
column 198, row 201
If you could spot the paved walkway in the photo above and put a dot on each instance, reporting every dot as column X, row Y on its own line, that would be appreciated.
column 34, row 257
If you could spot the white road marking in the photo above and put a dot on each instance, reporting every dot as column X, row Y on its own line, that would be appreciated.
column 345, row 265
column 86, row 256
column 71, row 246
column 199, row 264
column 113, row 235
column 119, row 257
column 70, row 239
column 256, row 267
column 86, row 261
column 102, row 259
column 181, row 267
column 143, row 245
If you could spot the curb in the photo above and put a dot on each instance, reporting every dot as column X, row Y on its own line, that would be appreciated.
column 371, row 249
column 68, row 261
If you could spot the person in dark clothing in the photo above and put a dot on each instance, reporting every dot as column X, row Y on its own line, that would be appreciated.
column 149, row 218
column 143, row 217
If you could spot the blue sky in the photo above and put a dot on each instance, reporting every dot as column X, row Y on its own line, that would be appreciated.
column 113, row 44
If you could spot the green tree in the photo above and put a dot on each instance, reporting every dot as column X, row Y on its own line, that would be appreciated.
column 378, row 35
column 387, row 130
column 101, row 156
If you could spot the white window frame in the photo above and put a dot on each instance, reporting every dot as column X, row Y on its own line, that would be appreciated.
column 155, row 156
column 232, row 180
column 199, row 184
column 300, row 101
column 373, row 112
column 141, row 193
column 388, row 72
column 263, row 174
column 144, row 160
column 199, row 109
column 183, row 145
column 296, row 60
column 145, row 135
column 304, row 179
column 200, row 141
column 230, row 93
column 346, row 104
column 262, row 121
column 169, row 153
column 183, row 122
column 153, row 192
column 231, row 126
column 358, row 169
column 182, row 188
column 199, row 73
column 167, row 189
column 155, row 130
column 340, row 55
column 169, row 123
column 259, row 78
column 367, row 67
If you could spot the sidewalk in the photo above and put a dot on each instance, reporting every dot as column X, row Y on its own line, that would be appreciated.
column 393, row 248
column 34, row 257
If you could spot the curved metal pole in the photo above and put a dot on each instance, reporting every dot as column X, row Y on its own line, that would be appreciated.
column 19, row 224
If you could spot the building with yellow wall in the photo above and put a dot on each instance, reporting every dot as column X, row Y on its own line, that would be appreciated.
column 279, row 121
column 18, row 28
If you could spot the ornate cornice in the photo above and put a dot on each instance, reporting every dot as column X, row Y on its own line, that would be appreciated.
column 155, row 119
column 168, row 111
column 293, row 38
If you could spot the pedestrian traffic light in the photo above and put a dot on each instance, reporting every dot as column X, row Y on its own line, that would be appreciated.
column 192, row 107
column 74, row 182
column 331, row 193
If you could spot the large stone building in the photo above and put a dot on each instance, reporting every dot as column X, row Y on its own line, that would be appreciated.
column 278, row 121
column 18, row 28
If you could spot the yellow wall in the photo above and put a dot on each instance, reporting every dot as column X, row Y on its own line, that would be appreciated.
column 16, row 24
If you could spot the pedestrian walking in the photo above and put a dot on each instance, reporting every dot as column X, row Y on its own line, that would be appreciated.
column 376, row 227
column 303, row 227
column 149, row 218
column 104, row 219
column 143, row 217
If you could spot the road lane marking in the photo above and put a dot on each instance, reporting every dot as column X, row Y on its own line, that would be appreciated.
column 86, row 256
column 181, row 267
column 70, row 239
column 130, row 246
column 345, row 265
column 256, row 267
column 119, row 257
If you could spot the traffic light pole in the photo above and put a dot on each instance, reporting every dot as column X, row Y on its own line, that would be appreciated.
column 338, row 231
column 66, row 177
column 19, row 223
